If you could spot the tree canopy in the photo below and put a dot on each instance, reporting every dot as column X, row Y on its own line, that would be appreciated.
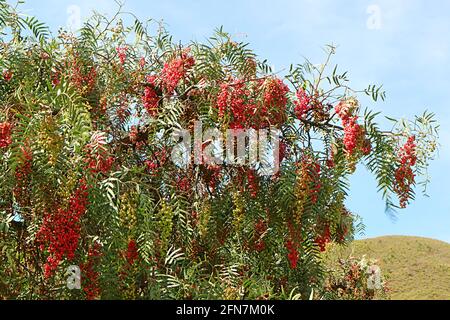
column 88, row 179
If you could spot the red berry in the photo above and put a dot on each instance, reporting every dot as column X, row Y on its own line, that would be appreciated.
column 122, row 53
column 150, row 98
column 7, row 75
column 292, row 254
column 5, row 134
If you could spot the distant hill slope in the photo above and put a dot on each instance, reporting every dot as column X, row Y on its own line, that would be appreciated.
column 416, row 268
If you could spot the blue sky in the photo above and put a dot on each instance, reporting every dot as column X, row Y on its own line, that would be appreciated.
column 402, row 44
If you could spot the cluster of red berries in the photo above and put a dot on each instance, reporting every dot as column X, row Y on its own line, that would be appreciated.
column 234, row 100
column 5, row 134
column 324, row 238
column 354, row 134
column 260, row 230
column 60, row 231
column 293, row 255
column 7, row 75
column 404, row 175
column 176, row 70
column 134, row 132
column 274, row 100
column 330, row 161
column 354, row 137
column 123, row 111
column 212, row 175
column 98, row 158
column 150, row 98
column 90, row 276
column 158, row 160
column 83, row 81
column 253, row 185
column 184, row 184
column 303, row 104
column 142, row 62
column 237, row 102
column 282, row 151
column 346, row 109
column 55, row 77
column 132, row 254
column 122, row 53
column 169, row 78
column 99, row 163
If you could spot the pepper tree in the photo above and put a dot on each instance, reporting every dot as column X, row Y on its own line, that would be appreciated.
column 87, row 178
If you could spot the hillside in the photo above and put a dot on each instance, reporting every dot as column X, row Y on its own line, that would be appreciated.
column 415, row 268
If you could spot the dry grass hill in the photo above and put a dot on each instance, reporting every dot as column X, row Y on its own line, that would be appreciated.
column 415, row 268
